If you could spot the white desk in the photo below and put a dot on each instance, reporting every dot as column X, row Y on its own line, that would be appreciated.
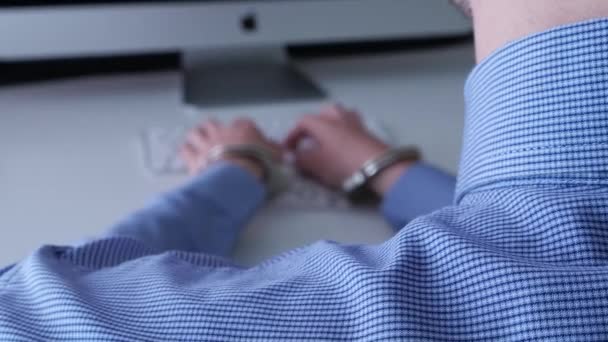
column 69, row 163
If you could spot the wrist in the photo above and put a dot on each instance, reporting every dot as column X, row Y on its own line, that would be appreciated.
column 385, row 181
column 252, row 167
column 379, row 174
column 260, row 161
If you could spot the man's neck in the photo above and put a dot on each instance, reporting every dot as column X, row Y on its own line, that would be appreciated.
column 498, row 22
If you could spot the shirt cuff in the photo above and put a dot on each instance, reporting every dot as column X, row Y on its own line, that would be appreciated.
column 229, row 187
column 421, row 190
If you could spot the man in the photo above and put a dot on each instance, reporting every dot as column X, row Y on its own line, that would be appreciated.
column 520, row 254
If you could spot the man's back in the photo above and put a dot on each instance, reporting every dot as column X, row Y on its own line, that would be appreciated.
column 507, row 264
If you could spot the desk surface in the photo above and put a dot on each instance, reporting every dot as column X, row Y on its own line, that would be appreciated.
column 70, row 166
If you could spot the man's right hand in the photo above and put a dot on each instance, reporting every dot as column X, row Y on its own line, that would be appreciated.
column 333, row 144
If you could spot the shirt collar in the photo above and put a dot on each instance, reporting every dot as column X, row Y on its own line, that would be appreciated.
column 537, row 112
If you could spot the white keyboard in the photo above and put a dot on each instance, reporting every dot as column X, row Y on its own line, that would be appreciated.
column 160, row 146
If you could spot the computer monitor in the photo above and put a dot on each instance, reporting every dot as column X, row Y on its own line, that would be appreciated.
column 233, row 51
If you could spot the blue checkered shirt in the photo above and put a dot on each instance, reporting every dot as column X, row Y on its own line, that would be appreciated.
column 519, row 253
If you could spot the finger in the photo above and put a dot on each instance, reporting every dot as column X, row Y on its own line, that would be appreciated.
column 309, row 161
column 338, row 112
column 189, row 155
column 311, row 126
column 197, row 138
column 332, row 109
column 244, row 123
column 352, row 113
column 187, row 151
column 247, row 125
column 348, row 116
column 353, row 118
column 209, row 123
column 210, row 127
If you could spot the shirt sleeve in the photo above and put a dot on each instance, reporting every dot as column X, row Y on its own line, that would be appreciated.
column 204, row 215
column 421, row 190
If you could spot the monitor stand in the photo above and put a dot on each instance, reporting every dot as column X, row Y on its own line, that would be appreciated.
column 223, row 77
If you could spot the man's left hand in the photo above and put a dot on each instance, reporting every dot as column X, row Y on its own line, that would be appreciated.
column 203, row 138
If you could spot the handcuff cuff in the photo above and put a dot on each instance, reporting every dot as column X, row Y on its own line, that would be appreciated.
column 272, row 176
column 355, row 187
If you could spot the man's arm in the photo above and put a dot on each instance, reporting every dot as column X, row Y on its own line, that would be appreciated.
column 342, row 145
column 410, row 191
column 204, row 215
